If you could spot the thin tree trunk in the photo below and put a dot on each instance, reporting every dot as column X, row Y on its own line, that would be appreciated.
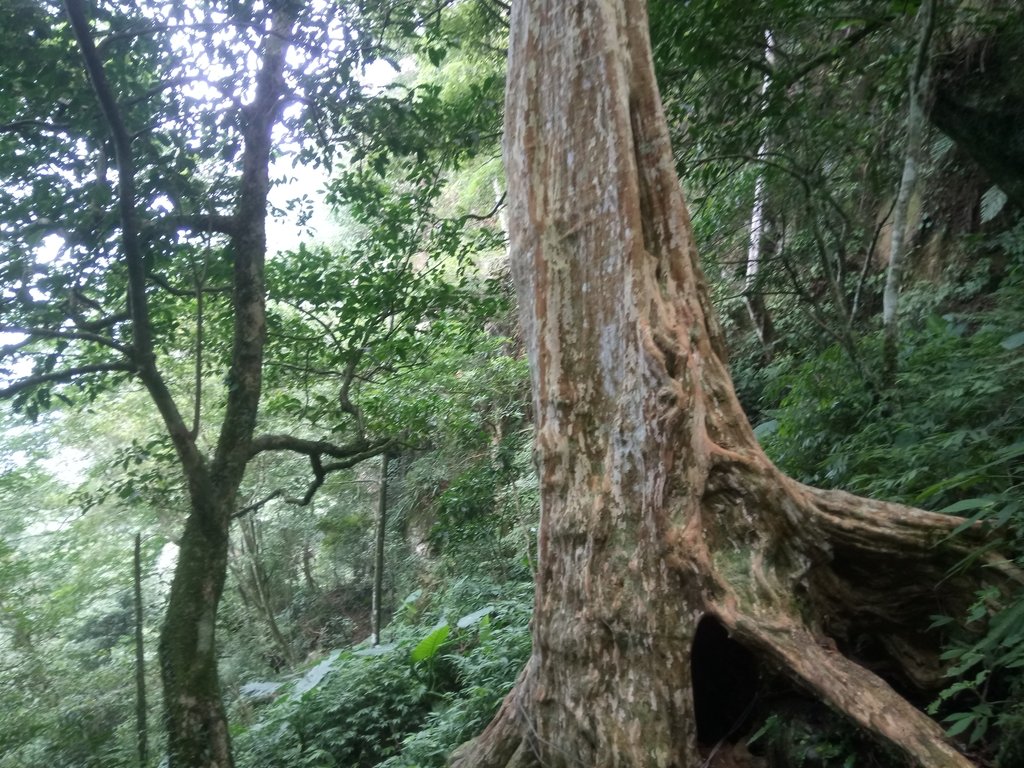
column 916, row 126
column 141, row 731
column 752, row 297
column 307, row 567
column 658, row 507
column 378, row 557
column 258, row 580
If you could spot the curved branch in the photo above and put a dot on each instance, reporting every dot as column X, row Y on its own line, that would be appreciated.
column 351, row 457
column 483, row 216
column 278, row 442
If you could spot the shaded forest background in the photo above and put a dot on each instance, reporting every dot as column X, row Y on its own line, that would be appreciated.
column 790, row 128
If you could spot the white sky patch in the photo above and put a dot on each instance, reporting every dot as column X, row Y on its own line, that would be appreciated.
column 166, row 561
column 67, row 463
column 46, row 253
column 286, row 233
column 43, row 527
column 379, row 74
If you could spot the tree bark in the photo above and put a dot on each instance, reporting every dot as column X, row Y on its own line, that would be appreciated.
column 658, row 507
column 916, row 127
column 197, row 729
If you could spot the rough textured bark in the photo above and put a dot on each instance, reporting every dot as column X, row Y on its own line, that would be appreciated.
column 658, row 507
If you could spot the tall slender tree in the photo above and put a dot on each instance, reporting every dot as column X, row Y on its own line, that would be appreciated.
column 917, row 108
column 162, row 134
column 659, row 510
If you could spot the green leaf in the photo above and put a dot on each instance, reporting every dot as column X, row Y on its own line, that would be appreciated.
column 992, row 203
column 436, row 56
column 966, row 504
column 431, row 644
column 375, row 650
column 1013, row 342
column 472, row 618
column 961, row 722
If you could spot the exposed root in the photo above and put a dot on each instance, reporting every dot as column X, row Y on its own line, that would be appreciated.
column 505, row 743
column 847, row 687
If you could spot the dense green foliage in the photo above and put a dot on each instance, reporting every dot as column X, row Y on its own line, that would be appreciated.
column 434, row 683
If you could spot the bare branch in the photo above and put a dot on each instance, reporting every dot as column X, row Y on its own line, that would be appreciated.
column 166, row 85
column 322, row 373
column 486, row 216
column 312, row 316
column 155, row 29
column 347, row 405
column 164, row 283
column 279, row 442
column 62, row 376
column 198, row 223
column 97, row 325
column 256, row 506
column 868, row 255
column 825, row 57
column 83, row 335
column 22, row 126
column 320, row 470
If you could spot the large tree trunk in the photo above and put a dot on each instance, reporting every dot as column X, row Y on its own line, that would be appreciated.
column 658, row 507
column 197, row 730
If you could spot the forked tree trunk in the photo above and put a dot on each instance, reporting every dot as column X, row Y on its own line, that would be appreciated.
column 197, row 728
column 658, row 507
